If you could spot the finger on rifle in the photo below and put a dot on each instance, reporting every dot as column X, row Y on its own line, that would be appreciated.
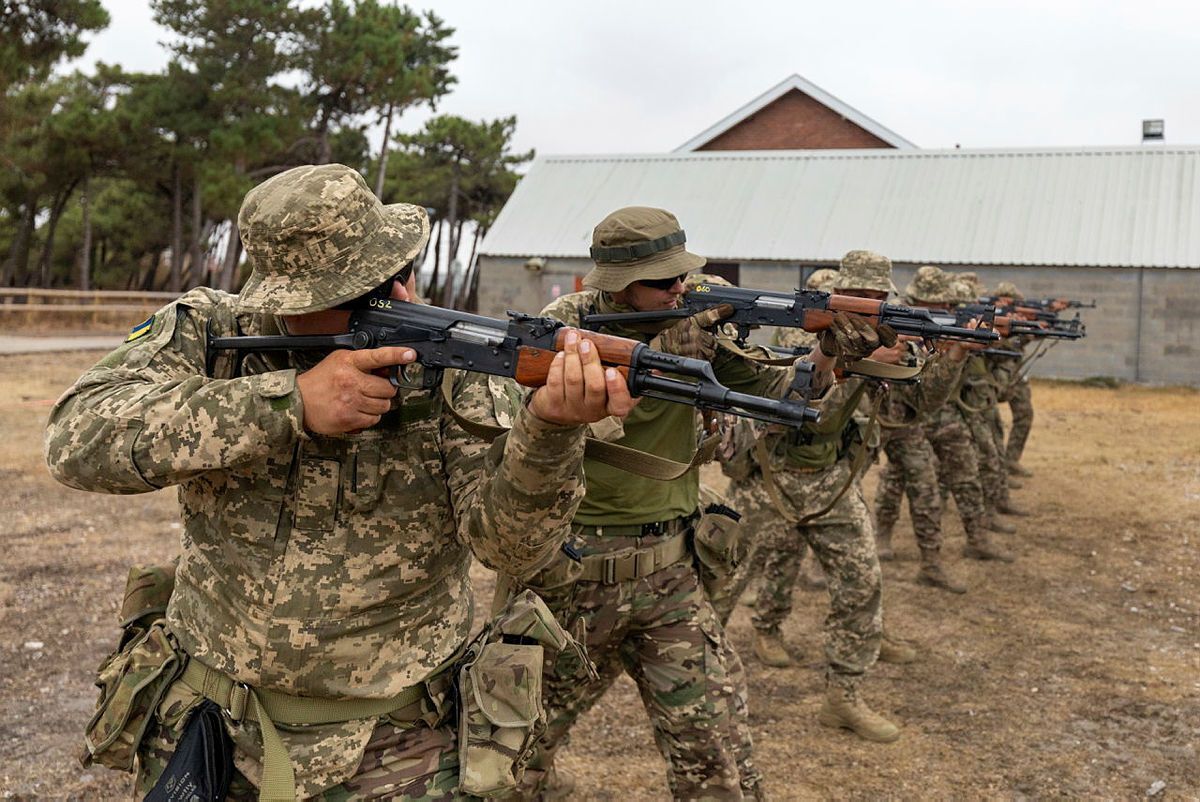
column 572, row 369
column 594, row 389
column 375, row 386
column 887, row 335
column 371, row 358
column 620, row 402
column 374, row 406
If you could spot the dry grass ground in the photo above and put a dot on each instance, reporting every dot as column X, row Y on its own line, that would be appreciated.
column 1074, row 672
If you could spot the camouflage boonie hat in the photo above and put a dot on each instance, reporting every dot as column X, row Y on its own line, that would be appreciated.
column 706, row 278
column 971, row 280
column 961, row 292
column 1008, row 289
column 821, row 280
column 316, row 236
column 930, row 285
column 865, row 270
column 635, row 243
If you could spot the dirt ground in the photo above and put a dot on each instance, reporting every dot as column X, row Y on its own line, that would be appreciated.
column 1073, row 672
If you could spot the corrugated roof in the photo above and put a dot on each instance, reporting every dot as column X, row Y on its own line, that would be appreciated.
column 780, row 89
column 1133, row 206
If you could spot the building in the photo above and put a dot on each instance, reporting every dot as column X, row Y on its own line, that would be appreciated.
column 1118, row 225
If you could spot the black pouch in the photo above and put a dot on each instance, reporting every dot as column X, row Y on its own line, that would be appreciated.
column 202, row 766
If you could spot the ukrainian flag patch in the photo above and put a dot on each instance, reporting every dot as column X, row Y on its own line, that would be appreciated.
column 140, row 330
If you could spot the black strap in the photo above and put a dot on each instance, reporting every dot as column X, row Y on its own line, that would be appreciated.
column 638, row 250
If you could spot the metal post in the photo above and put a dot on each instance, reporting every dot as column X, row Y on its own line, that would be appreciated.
column 1137, row 356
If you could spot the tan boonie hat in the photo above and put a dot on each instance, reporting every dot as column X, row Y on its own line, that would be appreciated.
column 316, row 236
column 636, row 243
column 1009, row 290
column 971, row 279
column 961, row 292
column 865, row 270
column 821, row 279
column 930, row 285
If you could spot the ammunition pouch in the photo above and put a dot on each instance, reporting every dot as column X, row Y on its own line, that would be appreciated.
column 134, row 679
column 717, row 540
column 500, row 694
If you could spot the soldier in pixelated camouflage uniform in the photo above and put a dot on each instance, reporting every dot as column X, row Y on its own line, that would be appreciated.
column 949, row 436
column 1017, row 393
column 814, row 500
column 637, row 594
column 328, row 522
column 914, row 457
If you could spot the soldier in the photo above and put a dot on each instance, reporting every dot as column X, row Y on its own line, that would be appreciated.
column 328, row 522
column 1019, row 396
column 636, row 592
column 812, row 482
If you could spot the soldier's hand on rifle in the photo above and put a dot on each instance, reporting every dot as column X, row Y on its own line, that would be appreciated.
column 579, row 389
column 958, row 351
column 850, row 338
column 691, row 337
column 342, row 394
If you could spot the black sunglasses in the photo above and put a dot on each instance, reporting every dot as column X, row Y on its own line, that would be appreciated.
column 662, row 283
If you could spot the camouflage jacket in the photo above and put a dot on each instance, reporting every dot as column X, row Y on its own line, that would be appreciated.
column 313, row 565
column 908, row 406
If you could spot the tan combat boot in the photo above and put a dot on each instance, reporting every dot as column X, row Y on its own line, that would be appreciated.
column 1008, row 508
column 883, row 543
column 558, row 784
column 1014, row 483
column 1017, row 469
column 933, row 575
column 770, row 651
column 844, row 709
column 995, row 524
column 896, row 651
column 979, row 548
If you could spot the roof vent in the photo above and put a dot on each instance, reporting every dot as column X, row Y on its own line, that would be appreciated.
column 1152, row 130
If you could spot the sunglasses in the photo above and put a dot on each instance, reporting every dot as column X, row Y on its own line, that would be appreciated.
column 662, row 283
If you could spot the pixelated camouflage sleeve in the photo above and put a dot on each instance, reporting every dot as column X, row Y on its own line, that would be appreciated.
column 513, row 499
column 939, row 380
column 146, row 416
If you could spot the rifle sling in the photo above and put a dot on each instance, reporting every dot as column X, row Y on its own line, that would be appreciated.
column 630, row 460
column 863, row 367
column 857, row 462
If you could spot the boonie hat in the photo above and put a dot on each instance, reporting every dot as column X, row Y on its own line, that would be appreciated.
column 636, row 243
column 865, row 270
column 1008, row 289
column 930, row 285
column 316, row 236
column 821, row 279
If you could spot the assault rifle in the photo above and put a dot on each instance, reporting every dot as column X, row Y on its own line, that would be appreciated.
column 521, row 348
column 810, row 310
column 1041, row 326
column 1048, row 304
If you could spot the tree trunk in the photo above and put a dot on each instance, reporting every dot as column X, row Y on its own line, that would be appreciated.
column 233, row 252
column 195, row 274
column 17, row 264
column 383, row 150
column 471, row 282
column 85, row 251
column 435, row 241
column 51, row 229
column 173, row 283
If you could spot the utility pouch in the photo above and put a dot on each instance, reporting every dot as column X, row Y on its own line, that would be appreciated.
column 148, row 588
column 132, row 682
column 500, row 694
column 718, row 540
column 201, row 767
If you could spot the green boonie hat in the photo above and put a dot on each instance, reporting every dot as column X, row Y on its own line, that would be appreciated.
column 865, row 270
column 317, row 236
column 821, row 279
column 930, row 285
column 1008, row 289
column 635, row 243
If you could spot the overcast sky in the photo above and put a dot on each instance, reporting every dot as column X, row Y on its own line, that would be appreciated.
column 617, row 76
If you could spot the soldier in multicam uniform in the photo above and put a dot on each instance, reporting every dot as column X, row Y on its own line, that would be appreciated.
column 1016, row 391
column 636, row 593
column 328, row 522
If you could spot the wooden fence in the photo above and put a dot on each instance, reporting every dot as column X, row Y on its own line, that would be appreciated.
column 25, row 308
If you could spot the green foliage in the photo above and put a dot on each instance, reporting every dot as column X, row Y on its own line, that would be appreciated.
column 35, row 35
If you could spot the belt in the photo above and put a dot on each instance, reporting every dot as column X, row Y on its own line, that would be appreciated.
column 671, row 527
column 634, row 563
column 267, row 707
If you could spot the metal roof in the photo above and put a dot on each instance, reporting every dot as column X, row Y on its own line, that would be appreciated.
column 1131, row 206
column 808, row 88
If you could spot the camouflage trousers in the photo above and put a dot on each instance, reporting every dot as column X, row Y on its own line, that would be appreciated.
column 663, row 633
column 993, row 470
column 911, row 470
column 843, row 541
column 959, row 461
column 1020, row 401
column 419, row 763
column 750, row 499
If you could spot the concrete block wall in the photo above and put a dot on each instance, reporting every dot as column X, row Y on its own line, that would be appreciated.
column 1170, row 352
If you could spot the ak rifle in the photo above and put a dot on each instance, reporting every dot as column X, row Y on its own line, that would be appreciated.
column 810, row 310
column 521, row 348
